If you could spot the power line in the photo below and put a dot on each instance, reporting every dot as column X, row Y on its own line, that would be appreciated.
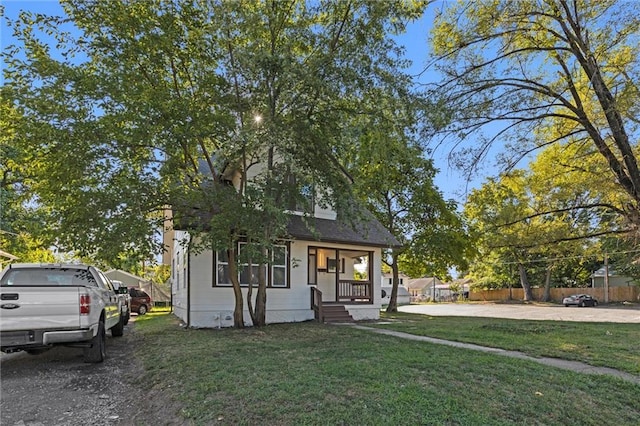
column 565, row 258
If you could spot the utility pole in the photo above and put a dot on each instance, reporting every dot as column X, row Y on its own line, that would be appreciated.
column 434, row 288
column 606, row 277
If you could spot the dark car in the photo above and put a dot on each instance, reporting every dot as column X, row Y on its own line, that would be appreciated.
column 140, row 301
column 579, row 300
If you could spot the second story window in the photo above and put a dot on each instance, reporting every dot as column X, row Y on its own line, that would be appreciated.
column 301, row 195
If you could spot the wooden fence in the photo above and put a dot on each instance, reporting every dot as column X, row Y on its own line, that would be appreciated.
column 616, row 294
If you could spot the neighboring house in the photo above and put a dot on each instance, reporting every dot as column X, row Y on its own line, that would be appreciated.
column 313, row 271
column 404, row 298
column 133, row 281
column 423, row 287
column 615, row 280
column 387, row 279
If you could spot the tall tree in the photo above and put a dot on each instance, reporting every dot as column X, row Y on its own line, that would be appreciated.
column 395, row 182
column 568, row 66
column 23, row 227
column 495, row 211
column 176, row 102
column 547, row 218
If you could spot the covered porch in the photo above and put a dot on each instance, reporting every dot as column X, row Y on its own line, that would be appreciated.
column 339, row 277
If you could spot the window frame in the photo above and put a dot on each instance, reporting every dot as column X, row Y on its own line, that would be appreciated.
column 268, row 273
column 273, row 266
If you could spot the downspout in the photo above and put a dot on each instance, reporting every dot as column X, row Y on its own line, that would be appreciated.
column 188, row 286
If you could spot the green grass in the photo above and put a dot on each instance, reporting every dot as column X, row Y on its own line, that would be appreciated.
column 612, row 345
column 314, row 374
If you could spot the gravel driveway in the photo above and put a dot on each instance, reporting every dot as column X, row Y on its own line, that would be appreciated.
column 58, row 388
column 602, row 313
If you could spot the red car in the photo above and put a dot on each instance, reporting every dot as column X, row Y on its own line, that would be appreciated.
column 140, row 301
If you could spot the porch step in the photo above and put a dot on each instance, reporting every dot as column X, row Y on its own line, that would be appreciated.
column 336, row 313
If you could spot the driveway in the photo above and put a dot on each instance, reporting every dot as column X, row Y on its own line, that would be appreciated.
column 58, row 388
column 602, row 313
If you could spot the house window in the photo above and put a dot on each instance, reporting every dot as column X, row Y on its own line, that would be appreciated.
column 391, row 281
column 222, row 275
column 247, row 273
column 278, row 268
column 184, row 270
column 306, row 201
column 301, row 196
column 184, row 277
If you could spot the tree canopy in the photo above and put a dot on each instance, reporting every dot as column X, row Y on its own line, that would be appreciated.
column 155, row 104
column 150, row 99
column 541, row 73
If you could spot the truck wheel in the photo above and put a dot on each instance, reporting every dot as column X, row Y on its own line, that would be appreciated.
column 118, row 329
column 97, row 352
column 126, row 318
column 142, row 310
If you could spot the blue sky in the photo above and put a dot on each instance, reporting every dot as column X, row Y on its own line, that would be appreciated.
column 449, row 180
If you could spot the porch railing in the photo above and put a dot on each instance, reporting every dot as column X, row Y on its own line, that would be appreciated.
column 316, row 304
column 354, row 291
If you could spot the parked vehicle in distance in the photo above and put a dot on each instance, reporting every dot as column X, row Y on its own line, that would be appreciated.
column 43, row 305
column 140, row 301
column 125, row 305
column 579, row 300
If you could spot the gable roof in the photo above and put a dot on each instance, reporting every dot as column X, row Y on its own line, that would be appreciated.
column 364, row 229
column 421, row 283
column 367, row 231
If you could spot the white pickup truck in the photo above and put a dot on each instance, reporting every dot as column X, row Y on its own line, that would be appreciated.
column 42, row 305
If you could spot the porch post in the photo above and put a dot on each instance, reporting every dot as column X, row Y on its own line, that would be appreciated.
column 337, row 274
column 372, row 285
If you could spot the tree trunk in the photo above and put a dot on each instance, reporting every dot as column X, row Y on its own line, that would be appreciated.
column 238, row 315
column 252, row 311
column 259, row 311
column 261, row 298
column 546, row 296
column 393, row 299
column 528, row 295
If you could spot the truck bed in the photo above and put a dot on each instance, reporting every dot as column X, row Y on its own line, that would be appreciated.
column 39, row 307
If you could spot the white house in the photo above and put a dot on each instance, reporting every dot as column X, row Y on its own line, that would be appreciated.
column 404, row 298
column 387, row 279
column 311, row 275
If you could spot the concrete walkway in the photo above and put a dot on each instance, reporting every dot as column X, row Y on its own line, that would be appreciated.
column 575, row 366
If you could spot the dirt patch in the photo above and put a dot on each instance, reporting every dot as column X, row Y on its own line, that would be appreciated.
column 58, row 388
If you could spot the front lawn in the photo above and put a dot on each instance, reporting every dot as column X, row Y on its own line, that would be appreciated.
column 612, row 345
column 314, row 374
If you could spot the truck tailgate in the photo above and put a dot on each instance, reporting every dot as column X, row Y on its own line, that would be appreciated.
column 39, row 307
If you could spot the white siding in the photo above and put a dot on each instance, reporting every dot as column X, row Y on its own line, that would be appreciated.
column 212, row 307
column 178, row 290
